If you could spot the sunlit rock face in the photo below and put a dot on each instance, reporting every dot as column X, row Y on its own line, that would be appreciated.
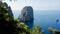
column 9, row 9
column 26, row 14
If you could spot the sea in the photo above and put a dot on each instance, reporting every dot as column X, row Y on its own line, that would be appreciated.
column 44, row 18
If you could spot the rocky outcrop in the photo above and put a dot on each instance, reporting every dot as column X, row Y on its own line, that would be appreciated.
column 9, row 9
column 26, row 14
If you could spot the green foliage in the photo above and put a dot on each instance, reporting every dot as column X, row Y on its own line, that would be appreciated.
column 54, row 31
column 10, row 25
column 25, row 30
column 7, row 25
column 37, row 30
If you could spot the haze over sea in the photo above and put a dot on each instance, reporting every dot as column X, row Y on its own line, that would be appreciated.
column 45, row 19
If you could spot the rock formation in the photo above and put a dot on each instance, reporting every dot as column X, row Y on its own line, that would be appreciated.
column 26, row 14
column 9, row 8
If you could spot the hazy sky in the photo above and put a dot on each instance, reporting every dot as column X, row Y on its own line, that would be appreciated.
column 36, row 4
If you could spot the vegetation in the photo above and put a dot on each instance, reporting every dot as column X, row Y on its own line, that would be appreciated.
column 9, row 25
column 54, row 31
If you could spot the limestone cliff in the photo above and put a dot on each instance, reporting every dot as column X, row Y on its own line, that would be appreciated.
column 26, row 14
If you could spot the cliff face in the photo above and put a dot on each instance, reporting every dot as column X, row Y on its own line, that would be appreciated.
column 9, row 9
column 26, row 14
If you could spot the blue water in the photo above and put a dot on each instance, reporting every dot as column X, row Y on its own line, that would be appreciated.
column 45, row 19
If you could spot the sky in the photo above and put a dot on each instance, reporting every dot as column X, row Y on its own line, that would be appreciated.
column 36, row 4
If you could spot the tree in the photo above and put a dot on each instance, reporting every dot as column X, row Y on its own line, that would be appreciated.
column 7, row 24
column 54, row 31
column 10, row 26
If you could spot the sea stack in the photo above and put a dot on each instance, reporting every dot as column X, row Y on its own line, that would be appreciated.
column 26, row 14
